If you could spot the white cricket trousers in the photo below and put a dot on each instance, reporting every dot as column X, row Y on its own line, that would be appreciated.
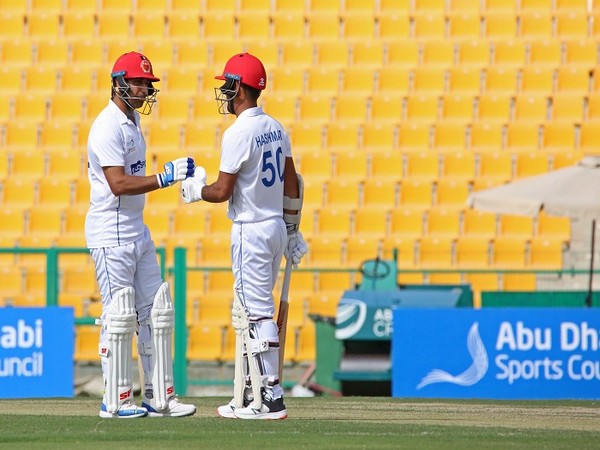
column 256, row 252
column 130, row 265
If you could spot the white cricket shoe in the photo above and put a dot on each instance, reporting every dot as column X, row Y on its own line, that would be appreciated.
column 228, row 410
column 174, row 409
column 128, row 410
column 269, row 410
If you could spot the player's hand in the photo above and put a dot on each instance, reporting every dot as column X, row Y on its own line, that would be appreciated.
column 176, row 170
column 296, row 248
column 191, row 188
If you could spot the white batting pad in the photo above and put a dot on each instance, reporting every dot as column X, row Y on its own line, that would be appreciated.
column 162, row 320
column 119, row 324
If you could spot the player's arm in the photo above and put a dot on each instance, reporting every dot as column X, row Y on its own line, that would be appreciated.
column 123, row 184
column 195, row 188
column 293, row 197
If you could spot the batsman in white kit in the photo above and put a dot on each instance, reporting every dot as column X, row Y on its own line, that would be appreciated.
column 258, row 178
column 134, row 296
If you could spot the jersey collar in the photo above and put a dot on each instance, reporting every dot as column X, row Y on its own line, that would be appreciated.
column 250, row 112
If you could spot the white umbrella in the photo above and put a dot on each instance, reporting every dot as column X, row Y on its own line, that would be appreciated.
column 572, row 192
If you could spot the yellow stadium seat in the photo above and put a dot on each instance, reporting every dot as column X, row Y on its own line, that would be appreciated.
column 474, row 54
column 340, row 193
column 379, row 136
column 323, row 27
column 369, row 53
column 416, row 193
column 217, row 25
column 19, row 135
column 190, row 222
column 322, row 80
column 113, row 26
column 206, row 342
column 266, row 50
column 404, row 53
column 509, row 53
column 183, row 25
column 78, row 24
column 214, row 250
column 45, row 220
column 82, row 192
column 435, row 252
column 289, row 6
column 592, row 108
column 350, row 109
column 333, row 220
column 359, row 26
column 192, row 54
column 315, row 108
column 500, row 80
column 220, row 51
column 253, row 24
column 12, row 23
column 491, row 110
column 282, row 106
column 393, row 27
column 86, row 52
column 393, row 79
column 473, row 252
column 414, row 136
column 516, row 226
column 57, row 191
column 297, row 54
column 571, row 24
column 579, row 6
column 565, row 158
column 158, row 218
column 313, row 196
column 180, row 80
column 495, row 165
column 535, row 5
column 40, row 80
column 17, row 52
column 57, row 135
column 217, row 221
column 87, row 338
column 464, row 80
column 200, row 135
column 545, row 52
column 559, row 136
column 530, row 107
column 464, row 25
column 573, row 79
column 537, row 80
column 407, row 223
column 205, row 109
column 438, row 53
column 215, row 308
column 360, row 248
column 422, row 107
column 535, row 24
column 580, row 52
column 307, row 135
column 530, row 163
column 499, row 25
column 458, row 166
column 75, row 220
column 429, row 79
column 324, row 251
column 12, row 80
column 162, row 50
column 421, row 165
column 12, row 223
column 478, row 223
column 152, row 5
column 553, row 227
column 546, row 253
column 442, row 222
column 75, row 81
column 452, row 193
column 332, row 53
column 287, row 81
column 306, row 343
column 449, row 135
column 386, row 107
column 386, row 165
column 43, row 24
column 288, row 26
column 509, row 252
column 350, row 164
column 522, row 136
column 315, row 164
column 27, row 165
column 342, row 135
column 369, row 221
column 428, row 25
column 172, row 110
column 34, row 263
column 378, row 192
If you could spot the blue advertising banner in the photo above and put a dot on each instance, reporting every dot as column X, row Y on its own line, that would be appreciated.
column 36, row 352
column 496, row 353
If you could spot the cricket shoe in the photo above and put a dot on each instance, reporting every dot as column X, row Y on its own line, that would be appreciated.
column 128, row 410
column 228, row 410
column 271, row 409
column 174, row 409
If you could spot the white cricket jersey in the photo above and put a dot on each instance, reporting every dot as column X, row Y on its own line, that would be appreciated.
column 255, row 147
column 114, row 140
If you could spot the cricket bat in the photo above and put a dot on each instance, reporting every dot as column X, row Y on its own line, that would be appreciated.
column 282, row 317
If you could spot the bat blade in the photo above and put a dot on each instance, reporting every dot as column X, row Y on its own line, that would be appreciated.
column 282, row 317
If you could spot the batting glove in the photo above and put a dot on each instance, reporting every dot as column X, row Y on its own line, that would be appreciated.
column 176, row 170
column 296, row 248
column 191, row 188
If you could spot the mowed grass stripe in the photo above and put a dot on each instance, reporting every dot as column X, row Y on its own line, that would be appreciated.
column 332, row 423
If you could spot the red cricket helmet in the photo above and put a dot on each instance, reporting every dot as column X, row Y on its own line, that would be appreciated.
column 133, row 65
column 247, row 69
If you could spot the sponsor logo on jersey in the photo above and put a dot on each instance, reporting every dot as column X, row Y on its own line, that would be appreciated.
column 136, row 167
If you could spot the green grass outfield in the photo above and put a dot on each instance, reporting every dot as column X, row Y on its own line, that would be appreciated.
column 320, row 422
